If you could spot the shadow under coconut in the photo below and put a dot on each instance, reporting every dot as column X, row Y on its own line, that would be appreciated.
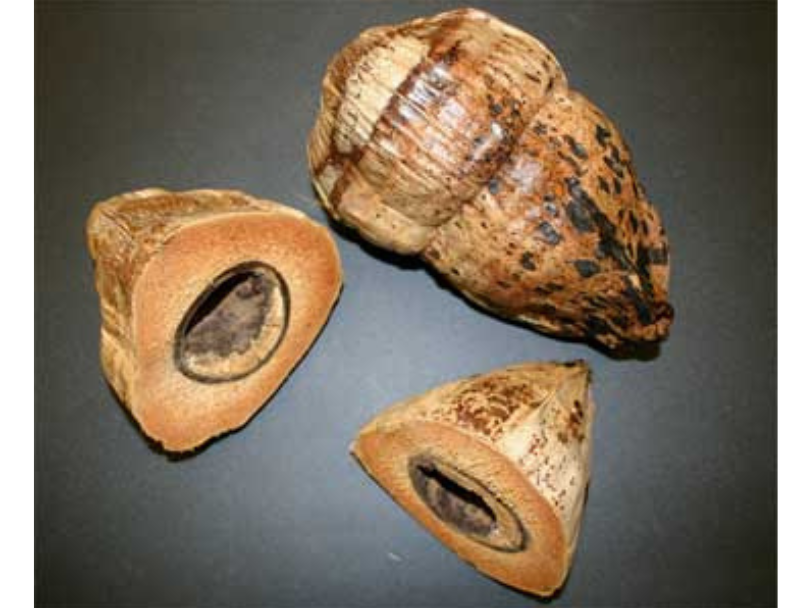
column 403, row 262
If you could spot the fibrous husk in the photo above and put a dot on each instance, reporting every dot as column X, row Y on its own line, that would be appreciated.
column 458, row 139
column 495, row 466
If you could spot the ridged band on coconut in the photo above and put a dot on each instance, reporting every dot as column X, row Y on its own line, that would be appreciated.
column 496, row 466
column 208, row 300
column 457, row 138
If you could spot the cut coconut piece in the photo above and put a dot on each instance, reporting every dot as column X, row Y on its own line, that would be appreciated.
column 208, row 300
column 496, row 466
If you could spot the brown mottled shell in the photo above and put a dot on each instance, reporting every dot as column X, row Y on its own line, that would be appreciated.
column 457, row 138
column 511, row 449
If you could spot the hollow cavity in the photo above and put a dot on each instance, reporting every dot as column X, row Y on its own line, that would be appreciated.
column 234, row 325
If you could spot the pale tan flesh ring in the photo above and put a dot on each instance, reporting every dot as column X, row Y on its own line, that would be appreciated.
column 457, row 138
column 496, row 466
column 208, row 300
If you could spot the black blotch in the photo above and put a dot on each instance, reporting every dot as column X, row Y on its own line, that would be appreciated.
column 493, row 185
column 638, row 302
column 577, row 149
column 596, row 326
column 586, row 217
column 603, row 185
column 495, row 109
column 539, row 129
column 548, row 233
column 614, row 166
column 550, row 207
column 634, row 222
column 617, row 186
column 579, row 216
column 580, row 208
column 587, row 268
column 602, row 135
column 527, row 261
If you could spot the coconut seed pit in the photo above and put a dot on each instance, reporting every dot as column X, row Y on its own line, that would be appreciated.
column 466, row 504
column 234, row 325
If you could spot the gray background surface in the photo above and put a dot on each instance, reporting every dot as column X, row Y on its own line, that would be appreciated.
column 682, row 505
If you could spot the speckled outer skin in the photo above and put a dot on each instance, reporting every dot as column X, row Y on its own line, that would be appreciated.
column 524, row 433
column 457, row 138
column 154, row 253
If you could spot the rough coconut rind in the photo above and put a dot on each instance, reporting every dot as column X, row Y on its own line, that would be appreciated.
column 155, row 252
column 457, row 138
column 523, row 433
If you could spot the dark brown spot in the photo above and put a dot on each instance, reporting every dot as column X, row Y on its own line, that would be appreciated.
column 550, row 207
column 548, row 233
column 602, row 135
column 643, row 312
column 577, row 149
column 527, row 262
column 579, row 216
column 614, row 166
column 586, row 268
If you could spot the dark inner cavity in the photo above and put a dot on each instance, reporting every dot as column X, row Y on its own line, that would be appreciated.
column 453, row 503
column 230, row 317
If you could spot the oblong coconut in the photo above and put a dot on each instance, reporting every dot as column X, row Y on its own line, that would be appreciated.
column 456, row 138
column 208, row 299
column 495, row 466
